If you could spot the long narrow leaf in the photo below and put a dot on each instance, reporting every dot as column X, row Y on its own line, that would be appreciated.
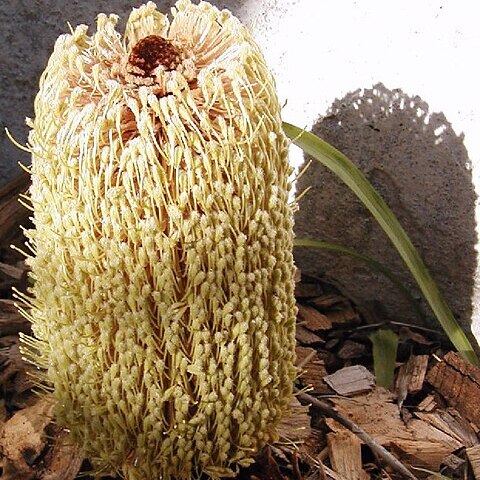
column 371, row 262
column 385, row 345
column 344, row 168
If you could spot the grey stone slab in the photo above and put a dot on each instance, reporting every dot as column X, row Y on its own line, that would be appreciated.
column 420, row 166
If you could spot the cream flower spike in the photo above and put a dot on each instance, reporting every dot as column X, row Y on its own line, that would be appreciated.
column 162, row 308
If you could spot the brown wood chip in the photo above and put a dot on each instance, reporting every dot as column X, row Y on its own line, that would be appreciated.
column 427, row 404
column 351, row 350
column 306, row 337
column 296, row 425
column 452, row 423
column 346, row 456
column 11, row 322
column 10, row 359
column 12, row 213
column 308, row 290
column 411, row 376
column 23, row 438
column 457, row 380
column 313, row 370
column 351, row 380
column 473, row 454
column 64, row 460
column 312, row 319
column 453, row 462
column 15, row 273
column 328, row 300
column 345, row 316
column 416, row 442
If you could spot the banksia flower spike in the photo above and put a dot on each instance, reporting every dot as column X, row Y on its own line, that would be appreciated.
column 162, row 307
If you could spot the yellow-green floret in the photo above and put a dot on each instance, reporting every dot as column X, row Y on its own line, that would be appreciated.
column 162, row 308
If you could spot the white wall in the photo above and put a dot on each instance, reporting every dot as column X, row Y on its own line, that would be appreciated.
column 321, row 50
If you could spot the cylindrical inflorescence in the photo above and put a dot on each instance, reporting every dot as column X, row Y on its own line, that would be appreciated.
column 162, row 307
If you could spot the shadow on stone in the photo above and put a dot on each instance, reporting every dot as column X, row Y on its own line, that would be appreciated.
column 421, row 168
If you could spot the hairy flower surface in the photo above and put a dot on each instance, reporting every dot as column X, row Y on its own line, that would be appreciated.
column 163, row 310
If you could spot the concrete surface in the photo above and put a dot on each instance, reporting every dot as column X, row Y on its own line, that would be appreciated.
column 321, row 51
column 420, row 167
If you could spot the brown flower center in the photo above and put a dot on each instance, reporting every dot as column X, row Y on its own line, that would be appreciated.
column 150, row 52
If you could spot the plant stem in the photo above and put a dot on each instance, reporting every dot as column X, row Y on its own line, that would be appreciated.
column 346, row 171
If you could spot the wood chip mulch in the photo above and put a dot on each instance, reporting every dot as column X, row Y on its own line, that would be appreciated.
column 342, row 425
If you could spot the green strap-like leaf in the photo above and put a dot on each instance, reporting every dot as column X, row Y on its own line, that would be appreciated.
column 344, row 168
column 385, row 344
column 371, row 262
